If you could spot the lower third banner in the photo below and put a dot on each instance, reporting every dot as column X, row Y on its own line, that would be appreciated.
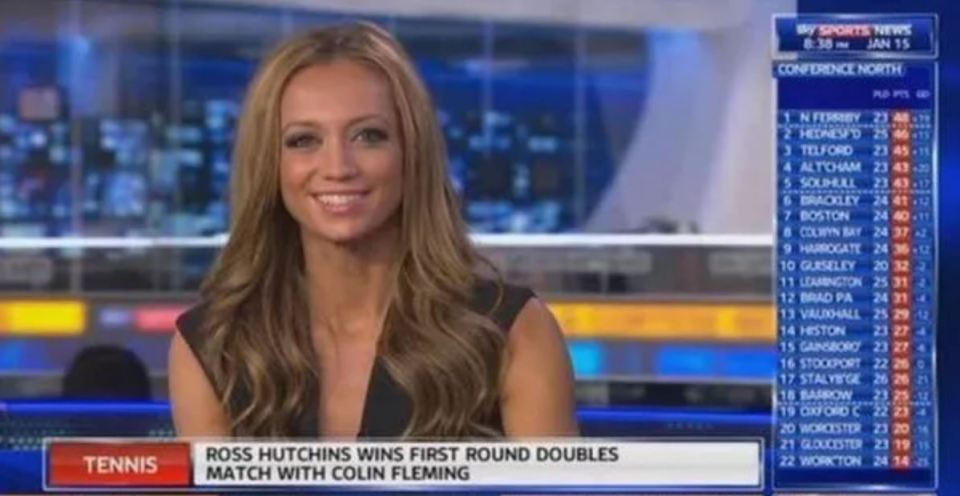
column 582, row 464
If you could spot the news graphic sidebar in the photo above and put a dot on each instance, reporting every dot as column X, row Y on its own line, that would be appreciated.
column 855, row 238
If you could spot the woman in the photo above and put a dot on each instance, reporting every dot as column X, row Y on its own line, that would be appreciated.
column 347, row 301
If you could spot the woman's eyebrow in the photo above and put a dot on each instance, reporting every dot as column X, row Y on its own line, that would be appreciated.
column 316, row 124
column 301, row 123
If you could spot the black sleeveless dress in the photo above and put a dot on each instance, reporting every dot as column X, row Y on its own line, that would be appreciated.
column 387, row 408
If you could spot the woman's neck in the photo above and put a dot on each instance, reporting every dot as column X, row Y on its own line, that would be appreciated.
column 349, row 286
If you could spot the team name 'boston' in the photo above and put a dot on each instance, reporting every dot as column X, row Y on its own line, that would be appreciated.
column 824, row 216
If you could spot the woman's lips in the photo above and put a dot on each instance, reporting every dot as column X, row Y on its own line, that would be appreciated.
column 339, row 202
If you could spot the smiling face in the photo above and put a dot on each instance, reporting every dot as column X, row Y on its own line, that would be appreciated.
column 341, row 160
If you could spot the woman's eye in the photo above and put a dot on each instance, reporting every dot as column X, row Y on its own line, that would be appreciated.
column 300, row 141
column 371, row 135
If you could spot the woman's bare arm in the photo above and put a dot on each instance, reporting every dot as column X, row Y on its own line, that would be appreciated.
column 537, row 391
column 197, row 411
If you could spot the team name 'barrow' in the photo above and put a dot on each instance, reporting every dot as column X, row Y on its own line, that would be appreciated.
column 836, row 395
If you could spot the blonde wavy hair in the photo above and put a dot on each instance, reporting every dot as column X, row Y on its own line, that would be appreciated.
column 446, row 357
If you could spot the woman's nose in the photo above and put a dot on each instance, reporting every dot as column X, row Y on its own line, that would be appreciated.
column 337, row 162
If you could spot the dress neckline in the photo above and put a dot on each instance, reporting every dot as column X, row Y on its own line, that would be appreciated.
column 310, row 421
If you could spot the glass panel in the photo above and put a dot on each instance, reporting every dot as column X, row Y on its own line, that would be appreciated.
column 450, row 58
column 614, row 85
column 526, row 182
column 36, row 194
column 35, row 197
column 123, row 92
column 220, row 49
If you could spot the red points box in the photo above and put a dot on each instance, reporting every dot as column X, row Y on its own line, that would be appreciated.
column 108, row 464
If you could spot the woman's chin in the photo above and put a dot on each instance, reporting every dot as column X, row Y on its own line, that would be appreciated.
column 344, row 234
column 361, row 229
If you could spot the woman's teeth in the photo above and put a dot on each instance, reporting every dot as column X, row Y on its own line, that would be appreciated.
column 337, row 200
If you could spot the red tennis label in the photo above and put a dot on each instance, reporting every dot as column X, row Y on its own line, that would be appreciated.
column 104, row 464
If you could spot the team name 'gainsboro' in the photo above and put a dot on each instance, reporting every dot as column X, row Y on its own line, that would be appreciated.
column 846, row 346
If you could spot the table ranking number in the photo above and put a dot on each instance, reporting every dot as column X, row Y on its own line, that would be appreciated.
column 855, row 254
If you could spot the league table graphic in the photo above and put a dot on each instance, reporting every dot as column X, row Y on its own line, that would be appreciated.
column 855, row 124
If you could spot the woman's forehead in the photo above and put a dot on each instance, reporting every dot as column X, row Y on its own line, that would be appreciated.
column 342, row 90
